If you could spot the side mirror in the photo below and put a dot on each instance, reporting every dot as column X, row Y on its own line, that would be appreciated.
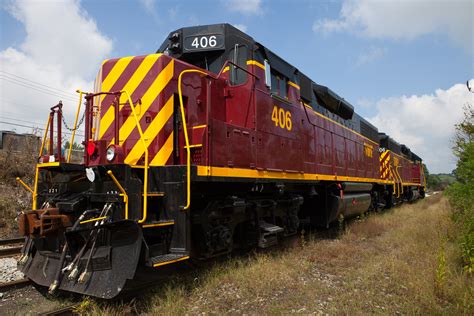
column 268, row 74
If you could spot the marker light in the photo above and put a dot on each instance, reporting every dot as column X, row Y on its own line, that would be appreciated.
column 90, row 148
column 110, row 153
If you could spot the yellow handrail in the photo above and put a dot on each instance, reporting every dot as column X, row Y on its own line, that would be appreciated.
column 400, row 181
column 185, row 128
column 35, row 190
column 142, row 138
column 46, row 129
column 24, row 184
column 75, row 125
column 393, row 179
column 424, row 178
column 93, row 220
column 124, row 193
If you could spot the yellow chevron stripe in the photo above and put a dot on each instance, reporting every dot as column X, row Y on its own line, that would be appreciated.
column 150, row 95
column 165, row 152
column 108, row 117
column 151, row 132
column 115, row 73
column 139, row 75
column 130, row 86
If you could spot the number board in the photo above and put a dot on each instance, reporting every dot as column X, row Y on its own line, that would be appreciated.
column 204, row 42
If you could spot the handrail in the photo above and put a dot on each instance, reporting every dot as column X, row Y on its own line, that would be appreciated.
column 93, row 220
column 186, row 138
column 400, row 181
column 44, row 137
column 142, row 138
column 24, row 184
column 424, row 178
column 75, row 125
column 124, row 193
column 393, row 179
column 35, row 189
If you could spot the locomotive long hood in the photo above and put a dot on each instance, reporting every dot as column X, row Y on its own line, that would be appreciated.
column 334, row 103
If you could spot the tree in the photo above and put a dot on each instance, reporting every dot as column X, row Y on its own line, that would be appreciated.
column 461, row 193
column 464, row 146
column 75, row 146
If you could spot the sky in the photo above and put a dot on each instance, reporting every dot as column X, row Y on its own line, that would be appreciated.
column 402, row 64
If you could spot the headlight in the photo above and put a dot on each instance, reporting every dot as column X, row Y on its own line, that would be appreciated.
column 110, row 153
column 90, row 174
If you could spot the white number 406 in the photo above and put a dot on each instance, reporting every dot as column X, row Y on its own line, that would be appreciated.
column 203, row 42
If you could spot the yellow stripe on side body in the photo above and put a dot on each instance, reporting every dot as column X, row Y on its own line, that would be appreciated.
column 249, row 62
column 263, row 174
column 130, row 86
column 165, row 152
column 151, row 132
column 147, row 99
column 256, row 63
column 294, row 85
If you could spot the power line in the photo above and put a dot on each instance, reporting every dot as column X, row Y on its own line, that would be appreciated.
column 38, row 83
column 20, row 120
column 37, row 128
column 26, row 85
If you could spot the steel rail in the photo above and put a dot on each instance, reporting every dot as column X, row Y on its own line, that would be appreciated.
column 10, row 241
column 9, row 252
column 68, row 310
column 14, row 284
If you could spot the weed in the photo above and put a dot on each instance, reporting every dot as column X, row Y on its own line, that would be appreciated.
column 303, row 238
column 440, row 276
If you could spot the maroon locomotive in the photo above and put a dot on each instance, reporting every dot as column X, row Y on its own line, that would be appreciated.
column 212, row 144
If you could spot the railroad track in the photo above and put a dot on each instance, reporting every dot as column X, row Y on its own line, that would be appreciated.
column 14, row 285
column 63, row 311
column 11, row 241
column 11, row 251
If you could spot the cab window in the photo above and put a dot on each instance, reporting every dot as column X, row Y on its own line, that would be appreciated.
column 279, row 84
column 238, row 55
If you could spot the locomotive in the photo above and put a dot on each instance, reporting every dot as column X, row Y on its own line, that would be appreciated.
column 213, row 144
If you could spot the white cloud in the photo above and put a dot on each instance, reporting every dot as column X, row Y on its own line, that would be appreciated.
column 150, row 7
column 148, row 4
column 425, row 123
column 404, row 19
column 241, row 27
column 370, row 56
column 63, row 49
column 245, row 6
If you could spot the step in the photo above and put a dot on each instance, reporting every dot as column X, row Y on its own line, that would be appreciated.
column 155, row 194
column 168, row 259
column 270, row 228
column 162, row 223
column 268, row 235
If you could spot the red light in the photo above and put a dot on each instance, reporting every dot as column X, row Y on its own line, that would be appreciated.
column 90, row 148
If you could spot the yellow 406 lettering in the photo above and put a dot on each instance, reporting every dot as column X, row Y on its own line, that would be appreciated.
column 282, row 118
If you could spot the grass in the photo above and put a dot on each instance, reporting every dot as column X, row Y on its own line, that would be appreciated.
column 13, row 197
column 402, row 261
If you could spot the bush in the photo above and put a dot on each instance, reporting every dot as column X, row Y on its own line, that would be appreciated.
column 461, row 193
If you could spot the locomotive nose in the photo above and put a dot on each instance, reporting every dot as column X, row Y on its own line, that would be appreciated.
column 136, row 107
